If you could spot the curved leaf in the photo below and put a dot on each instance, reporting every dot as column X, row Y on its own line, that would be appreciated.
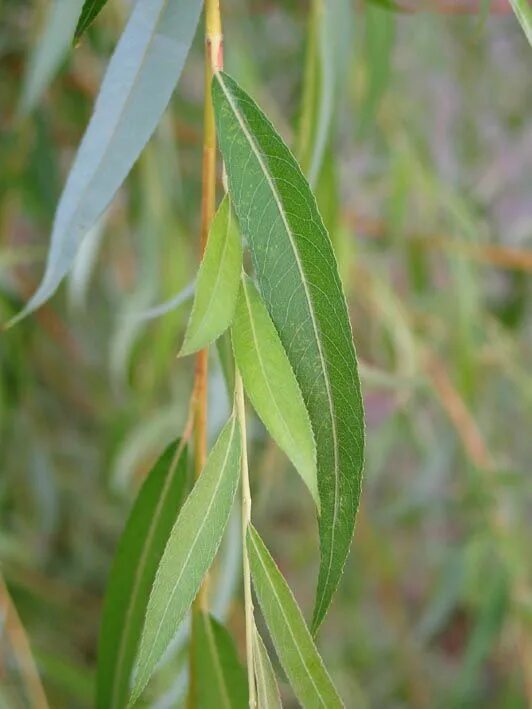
column 271, row 385
column 91, row 9
column 298, row 279
column 139, row 552
column 191, row 548
column 141, row 76
column 222, row 681
column 217, row 284
column 291, row 637
column 267, row 690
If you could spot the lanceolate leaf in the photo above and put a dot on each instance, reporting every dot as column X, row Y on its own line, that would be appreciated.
column 218, row 282
column 271, row 385
column 267, row 690
column 91, row 8
column 139, row 552
column 191, row 548
column 299, row 282
column 292, row 640
column 135, row 91
column 50, row 50
column 222, row 681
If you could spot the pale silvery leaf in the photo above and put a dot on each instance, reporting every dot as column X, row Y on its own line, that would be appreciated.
column 50, row 50
column 139, row 81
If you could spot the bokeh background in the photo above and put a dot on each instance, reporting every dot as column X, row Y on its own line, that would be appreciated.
column 425, row 185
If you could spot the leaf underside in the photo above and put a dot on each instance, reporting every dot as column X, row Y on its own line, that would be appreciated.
column 292, row 640
column 139, row 552
column 270, row 383
column 191, row 548
column 298, row 279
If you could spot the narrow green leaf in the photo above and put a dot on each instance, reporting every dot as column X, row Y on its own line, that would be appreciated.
column 268, row 696
column 271, row 385
column 218, row 282
column 139, row 552
column 139, row 81
column 50, row 50
column 222, row 681
column 91, row 9
column 292, row 640
column 523, row 12
column 298, row 279
column 191, row 548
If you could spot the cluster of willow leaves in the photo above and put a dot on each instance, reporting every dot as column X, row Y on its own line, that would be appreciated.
column 181, row 419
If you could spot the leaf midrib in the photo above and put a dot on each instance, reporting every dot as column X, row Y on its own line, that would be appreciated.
column 278, row 202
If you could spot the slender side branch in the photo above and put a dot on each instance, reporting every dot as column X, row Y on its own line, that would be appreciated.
column 14, row 630
column 246, row 520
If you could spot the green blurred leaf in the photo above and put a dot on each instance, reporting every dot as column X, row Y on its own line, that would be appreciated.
column 141, row 76
column 49, row 51
column 139, row 552
column 91, row 9
column 292, row 640
column 217, row 284
column 330, row 39
column 523, row 12
column 271, row 385
column 267, row 690
column 222, row 681
column 191, row 548
column 378, row 44
column 298, row 279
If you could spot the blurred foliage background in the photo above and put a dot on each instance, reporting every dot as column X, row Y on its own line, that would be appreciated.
column 425, row 183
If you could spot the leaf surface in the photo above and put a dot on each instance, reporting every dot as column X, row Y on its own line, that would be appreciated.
column 292, row 640
column 222, row 681
column 191, row 548
column 218, row 282
column 298, row 280
column 267, row 690
column 139, row 81
column 139, row 552
column 91, row 9
column 270, row 383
